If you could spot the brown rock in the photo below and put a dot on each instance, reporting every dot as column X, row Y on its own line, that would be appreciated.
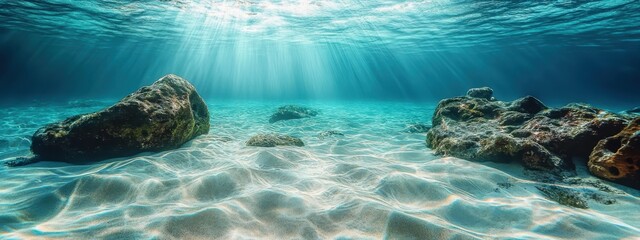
column 617, row 158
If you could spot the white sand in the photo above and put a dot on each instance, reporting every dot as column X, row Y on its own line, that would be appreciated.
column 374, row 182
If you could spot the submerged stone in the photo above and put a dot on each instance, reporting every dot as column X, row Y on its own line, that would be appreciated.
column 158, row 117
column 483, row 92
column 272, row 140
column 617, row 158
column 289, row 112
column 573, row 130
column 564, row 196
column 21, row 161
column 472, row 129
column 527, row 104
column 525, row 130
column 514, row 118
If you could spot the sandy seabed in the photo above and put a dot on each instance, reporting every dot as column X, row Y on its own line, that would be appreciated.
column 376, row 181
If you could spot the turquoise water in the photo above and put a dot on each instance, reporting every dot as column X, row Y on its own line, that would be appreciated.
column 560, row 51
column 372, row 69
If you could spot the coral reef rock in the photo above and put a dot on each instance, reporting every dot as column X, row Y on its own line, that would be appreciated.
column 478, row 128
column 158, row 117
column 617, row 158
column 289, row 112
column 272, row 140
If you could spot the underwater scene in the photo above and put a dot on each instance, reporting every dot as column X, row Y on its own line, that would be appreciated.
column 319, row 119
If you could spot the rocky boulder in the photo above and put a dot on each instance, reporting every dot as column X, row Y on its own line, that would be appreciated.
column 289, row 112
column 158, row 117
column 617, row 158
column 478, row 128
column 527, row 105
column 483, row 92
column 272, row 140
column 572, row 130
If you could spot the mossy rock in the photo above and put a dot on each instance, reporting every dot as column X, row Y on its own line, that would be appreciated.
column 158, row 117
column 289, row 112
column 479, row 128
column 272, row 140
column 564, row 196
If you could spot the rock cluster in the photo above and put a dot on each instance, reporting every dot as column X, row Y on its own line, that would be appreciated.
column 289, row 112
column 477, row 127
column 158, row 117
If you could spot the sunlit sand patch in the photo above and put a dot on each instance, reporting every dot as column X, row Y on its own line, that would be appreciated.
column 375, row 181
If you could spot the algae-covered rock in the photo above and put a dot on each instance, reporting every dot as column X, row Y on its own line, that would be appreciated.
column 289, row 112
column 510, row 118
column 466, row 109
column 21, row 161
column 272, row 140
column 527, row 104
column 158, row 117
column 564, row 196
column 478, row 129
column 487, row 141
column 617, row 158
column 483, row 92
column 573, row 130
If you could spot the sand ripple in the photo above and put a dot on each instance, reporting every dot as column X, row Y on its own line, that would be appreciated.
column 376, row 181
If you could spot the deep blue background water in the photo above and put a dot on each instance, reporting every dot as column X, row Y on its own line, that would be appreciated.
column 559, row 51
